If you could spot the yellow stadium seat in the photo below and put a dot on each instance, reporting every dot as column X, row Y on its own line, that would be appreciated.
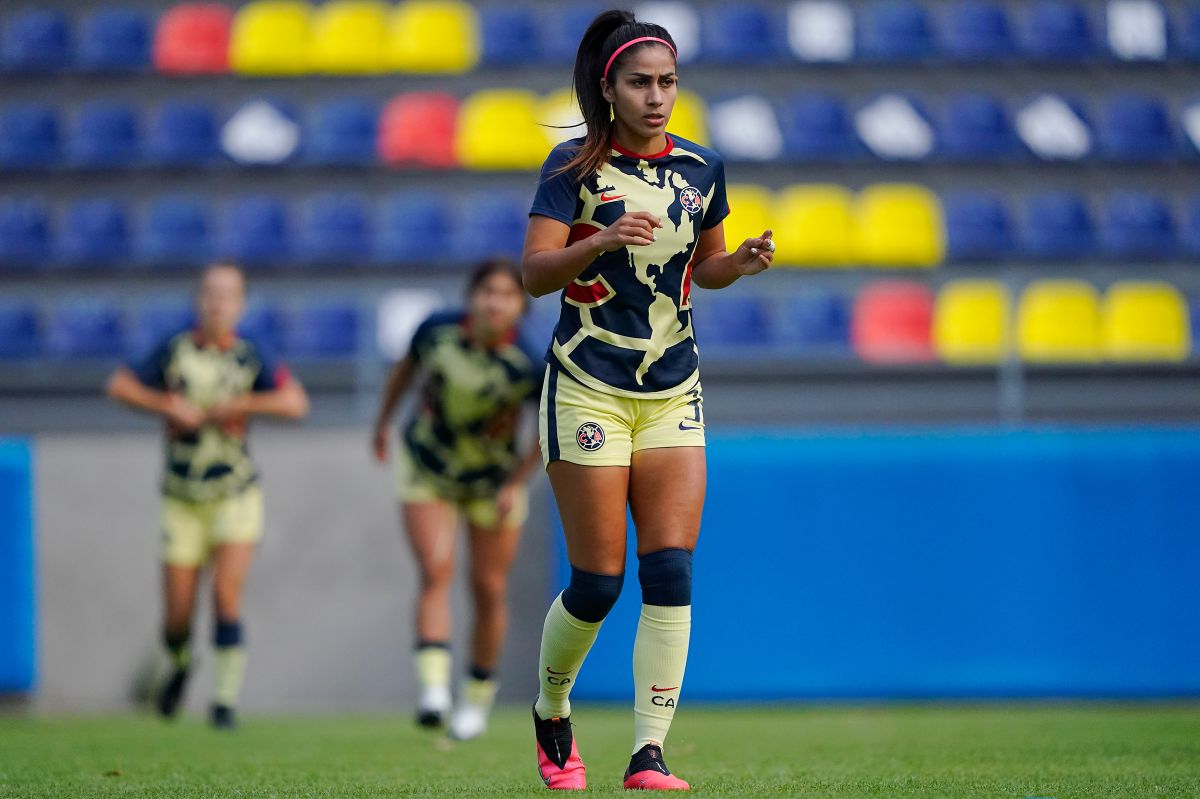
column 749, row 213
column 433, row 36
column 1146, row 321
column 270, row 37
column 1058, row 321
column 971, row 322
column 899, row 224
column 347, row 38
column 689, row 119
column 498, row 129
column 557, row 115
column 814, row 225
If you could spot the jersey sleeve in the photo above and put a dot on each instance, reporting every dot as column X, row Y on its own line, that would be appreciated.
column 272, row 373
column 718, row 206
column 151, row 370
column 423, row 337
column 558, row 191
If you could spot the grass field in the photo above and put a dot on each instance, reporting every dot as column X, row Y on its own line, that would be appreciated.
column 895, row 751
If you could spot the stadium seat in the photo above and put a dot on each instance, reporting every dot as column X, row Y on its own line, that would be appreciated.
column 971, row 322
column 410, row 221
column 689, row 119
column 1138, row 30
column 891, row 323
column 816, row 322
column 433, row 37
column 510, row 35
column 513, row 111
column 418, row 129
column 347, row 38
column 565, row 24
column 36, row 40
column 1054, row 128
column 895, row 30
column 85, row 328
column 1138, row 225
column 1057, row 30
column 95, row 232
column 337, row 230
column 156, row 321
column 1058, row 321
column 257, row 231
column 540, row 321
column 816, row 127
column 263, row 324
column 734, row 322
column 490, row 223
column 184, row 133
column 814, row 225
column 895, row 127
column 745, row 128
column 343, row 131
column 1059, row 226
column 742, row 33
column 821, row 31
column 558, row 113
column 24, row 233
column 751, row 211
column 326, row 329
column 977, row 30
column 1189, row 229
column 106, row 135
column 976, row 127
column 978, row 227
column 1136, row 128
column 29, row 136
column 115, row 40
column 1145, row 321
column 20, row 330
column 193, row 39
column 178, row 232
column 271, row 37
column 899, row 224
column 262, row 133
column 1187, row 33
column 680, row 18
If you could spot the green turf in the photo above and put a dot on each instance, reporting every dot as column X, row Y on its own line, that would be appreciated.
column 906, row 751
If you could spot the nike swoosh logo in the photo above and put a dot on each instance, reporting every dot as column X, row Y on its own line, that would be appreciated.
column 604, row 198
column 658, row 690
column 684, row 427
column 559, row 673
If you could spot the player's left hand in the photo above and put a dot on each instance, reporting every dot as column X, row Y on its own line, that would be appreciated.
column 754, row 255
column 506, row 500
column 230, row 411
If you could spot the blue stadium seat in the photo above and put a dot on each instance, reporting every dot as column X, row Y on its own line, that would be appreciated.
column 738, row 33
column 410, row 222
column 106, row 135
column 343, row 132
column 322, row 330
column 257, row 231
column 177, row 233
column 116, row 39
column 1138, row 225
column 733, row 321
column 490, row 224
column 1187, row 33
column 36, row 40
column 1189, row 229
column 95, row 232
column 184, row 134
column 540, row 321
column 155, row 322
column 565, row 25
column 895, row 30
column 978, row 227
column 337, row 230
column 24, row 233
column 263, row 323
column 977, row 30
column 816, row 127
column 1058, row 225
column 510, row 35
column 29, row 136
column 1136, row 127
column 20, row 330
column 1058, row 30
column 977, row 127
column 85, row 328
column 817, row 322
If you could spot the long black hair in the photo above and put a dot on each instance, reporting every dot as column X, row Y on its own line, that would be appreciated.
column 604, row 36
column 497, row 266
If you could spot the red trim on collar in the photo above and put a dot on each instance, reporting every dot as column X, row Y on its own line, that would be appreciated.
column 225, row 343
column 639, row 156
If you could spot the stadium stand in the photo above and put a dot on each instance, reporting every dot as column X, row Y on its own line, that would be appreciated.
column 30, row 136
column 1145, row 321
column 892, row 321
column 193, row 39
column 271, row 37
column 1058, row 321
column 115, row 40
column 433, row 36
column 971, row 322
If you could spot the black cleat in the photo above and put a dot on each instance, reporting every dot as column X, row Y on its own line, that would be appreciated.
column 559, row 763
column 222, row 717
column 647, row 771
column 171, row 695
column 430, row 719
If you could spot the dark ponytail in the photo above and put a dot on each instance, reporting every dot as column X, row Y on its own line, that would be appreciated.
column 608, row 31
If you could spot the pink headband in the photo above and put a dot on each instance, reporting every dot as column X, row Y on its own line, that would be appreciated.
column 631, row 43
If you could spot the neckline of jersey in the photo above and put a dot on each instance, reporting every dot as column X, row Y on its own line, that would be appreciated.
column 224, row 343
column 464, row 325
column 631, row 154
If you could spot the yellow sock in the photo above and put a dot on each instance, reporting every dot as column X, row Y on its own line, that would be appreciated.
column 565, row 643
column 480, row 692
column 230, row 668
column 433, row 666
column 659, row 658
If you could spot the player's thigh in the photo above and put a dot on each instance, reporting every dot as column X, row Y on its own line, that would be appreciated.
column 231, row 563
column 430, row 528
column 237, row 519
column 591, row 503
column 666, row 497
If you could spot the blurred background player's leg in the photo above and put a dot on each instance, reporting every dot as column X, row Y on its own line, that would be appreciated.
column 430, row 527
column 179, row 595
column 231, row 562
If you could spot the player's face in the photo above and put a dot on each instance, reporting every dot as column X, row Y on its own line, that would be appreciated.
column 222, row 300
column 643, row 91
column 497, row 303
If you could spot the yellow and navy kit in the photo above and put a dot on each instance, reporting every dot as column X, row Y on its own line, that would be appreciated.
column 463, row 437
column 625, row 325
column 211, row 463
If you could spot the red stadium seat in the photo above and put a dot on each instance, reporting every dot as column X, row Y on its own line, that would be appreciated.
column 418, row 130
column 891, row 323
column 193, row 39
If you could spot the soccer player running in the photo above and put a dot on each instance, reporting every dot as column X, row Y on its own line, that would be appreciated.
column 625, row 220
column 460, row 457
column 206, row 383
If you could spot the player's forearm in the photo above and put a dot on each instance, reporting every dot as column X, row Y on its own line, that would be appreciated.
column 715, row 272
column 553, row 270
column 288, row 402
column 126, row 389
column 397, row 384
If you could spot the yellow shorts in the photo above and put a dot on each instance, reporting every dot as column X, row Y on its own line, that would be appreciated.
column 580, row 425
column 413, row 486
column 191, row 530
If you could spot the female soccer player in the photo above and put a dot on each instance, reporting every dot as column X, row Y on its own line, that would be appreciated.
column 460, row 457
column 624, row 221
column 206, row 384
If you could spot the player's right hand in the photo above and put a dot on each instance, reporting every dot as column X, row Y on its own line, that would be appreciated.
column 183, row 415
column 379, row 443
column 634, row 228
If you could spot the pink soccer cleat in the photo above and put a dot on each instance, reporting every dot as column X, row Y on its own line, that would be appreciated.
column 648, row 772
column 559, row 763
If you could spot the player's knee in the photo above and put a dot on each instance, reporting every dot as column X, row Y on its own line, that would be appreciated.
column 589, row 597
column 228, row 632
column 666, row 577
column 436, row 576
column 489, row 589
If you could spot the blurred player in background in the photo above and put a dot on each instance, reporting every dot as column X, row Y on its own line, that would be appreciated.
column 625, row 220
column 206, row 384
column 460, row 457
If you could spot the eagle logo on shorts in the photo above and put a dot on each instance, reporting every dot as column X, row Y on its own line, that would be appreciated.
column 589, row 436
column 691, row 200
